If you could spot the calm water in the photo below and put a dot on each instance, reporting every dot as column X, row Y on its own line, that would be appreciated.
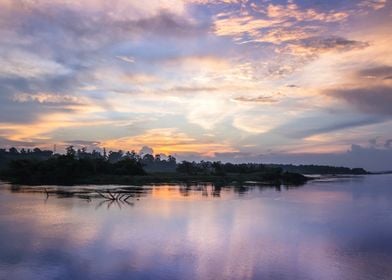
column 337, row 229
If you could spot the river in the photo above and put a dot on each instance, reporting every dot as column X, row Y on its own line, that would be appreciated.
column 339, row 228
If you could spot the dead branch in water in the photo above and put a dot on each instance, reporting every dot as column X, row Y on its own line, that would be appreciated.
column 47, row 194
column 119, row 196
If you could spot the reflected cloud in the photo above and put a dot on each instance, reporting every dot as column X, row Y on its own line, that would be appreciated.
column 266, row 234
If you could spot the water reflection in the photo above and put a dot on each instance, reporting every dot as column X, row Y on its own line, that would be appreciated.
column 123, row 195
column 325, row 230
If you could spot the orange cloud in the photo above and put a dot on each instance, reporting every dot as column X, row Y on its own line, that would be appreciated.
column 277, row 27
column 292, row 11
column 237, row 26
column 168, row 141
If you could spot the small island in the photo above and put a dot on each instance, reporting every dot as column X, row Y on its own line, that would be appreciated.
column 76, row 167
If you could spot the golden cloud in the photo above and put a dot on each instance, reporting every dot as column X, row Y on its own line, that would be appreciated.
column 168, row 141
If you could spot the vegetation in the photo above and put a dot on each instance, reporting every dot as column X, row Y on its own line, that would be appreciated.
column 319, row 169
column 67, row 170
column 37, row 167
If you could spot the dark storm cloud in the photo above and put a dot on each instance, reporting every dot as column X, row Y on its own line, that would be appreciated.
column 373, row 100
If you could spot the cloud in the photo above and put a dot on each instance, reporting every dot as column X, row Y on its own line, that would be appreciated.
column 208, row 111
column 330, row 43
column 239, row 26
column 7, row 143
column 86, row 71
column 292, row 11
column 372, row 159
column 64, row 37
column 145, row 150
column 372, row 100
column 373, row 4
column 216, row 1
column 93, row 32
column 48, row 98
column 325, row 127
column 166, row 24
column 278, row 23
column 257, row 99
column 26, row 109
column 17, row 63
column 381, row 71
column 255, row 123
column 284, row 34
column 388, row 144
column 121, row 10
column 125, row 58
column 168, row 141
column 296, row 128
column 282, row 39
column 82, row 143
column 193, row 89
column 26, row 99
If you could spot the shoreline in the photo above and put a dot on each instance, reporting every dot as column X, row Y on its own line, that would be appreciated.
column 175, row 178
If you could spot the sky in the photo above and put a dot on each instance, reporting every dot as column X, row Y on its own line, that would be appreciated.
column 299, row 81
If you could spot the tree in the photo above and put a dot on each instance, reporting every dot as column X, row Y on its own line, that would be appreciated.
column 70, row 151
column 115, row 156
column 13, row 150
column 148, row 159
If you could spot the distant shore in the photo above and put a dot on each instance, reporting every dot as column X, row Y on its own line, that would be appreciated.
column 79, row 167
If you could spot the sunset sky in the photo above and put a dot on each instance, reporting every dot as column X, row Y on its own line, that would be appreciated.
column 278, row 81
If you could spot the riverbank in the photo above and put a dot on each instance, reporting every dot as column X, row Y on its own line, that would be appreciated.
column 272, row 179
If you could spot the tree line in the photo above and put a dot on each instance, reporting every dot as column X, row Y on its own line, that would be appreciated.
column 78, row 165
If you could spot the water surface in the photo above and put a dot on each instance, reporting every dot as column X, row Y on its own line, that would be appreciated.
column 333, row 229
